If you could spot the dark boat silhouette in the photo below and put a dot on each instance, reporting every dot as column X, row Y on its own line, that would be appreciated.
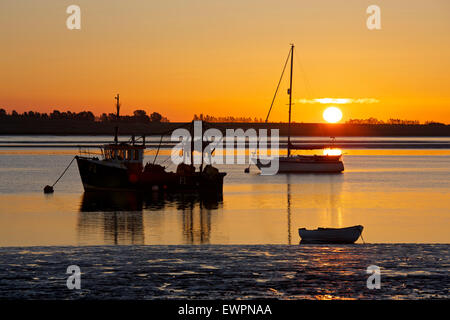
column 301, row 163
column 331, row 235
column 121, row 168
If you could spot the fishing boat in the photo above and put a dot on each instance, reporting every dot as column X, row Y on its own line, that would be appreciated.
column 121, row 168
column 327, row 163
column 331, row 235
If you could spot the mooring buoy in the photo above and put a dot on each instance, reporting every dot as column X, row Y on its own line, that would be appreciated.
column 48, row 189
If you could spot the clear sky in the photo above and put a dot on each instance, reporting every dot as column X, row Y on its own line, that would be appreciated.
column 217, row 57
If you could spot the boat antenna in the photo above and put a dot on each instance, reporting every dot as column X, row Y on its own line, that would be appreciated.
column 290, row 102
column 116, row 129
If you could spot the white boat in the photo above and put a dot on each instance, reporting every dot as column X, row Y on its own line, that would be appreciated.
column 327, row 163
column 331, row 235
column 308, row 164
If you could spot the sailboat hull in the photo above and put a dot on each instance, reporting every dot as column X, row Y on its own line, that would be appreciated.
column 308, row 164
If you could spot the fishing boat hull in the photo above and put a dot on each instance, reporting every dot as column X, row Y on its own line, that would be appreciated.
column 99, row 175
column 307, row 164
column 330, row 235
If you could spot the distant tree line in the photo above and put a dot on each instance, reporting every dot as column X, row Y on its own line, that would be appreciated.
column 390, row 121
column 141, row 116
column 138, row 116
column 209, row 118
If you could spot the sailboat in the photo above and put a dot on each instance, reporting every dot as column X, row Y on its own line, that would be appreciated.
column 327, row 163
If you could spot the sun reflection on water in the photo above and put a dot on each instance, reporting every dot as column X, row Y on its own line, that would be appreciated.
column 332, row 152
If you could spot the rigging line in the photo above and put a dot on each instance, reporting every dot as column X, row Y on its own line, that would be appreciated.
column 362, row 239
column 307, row 84
column 164, row 133
column 302, row 71
column 273, row 100
column 308, row 88
column 206, row 124
column 159, row 147
column 278, row 86
column 161, row 139
column 165, row 160
column 63, row 172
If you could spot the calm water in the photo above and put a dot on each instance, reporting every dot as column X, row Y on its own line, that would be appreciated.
column 400, row 196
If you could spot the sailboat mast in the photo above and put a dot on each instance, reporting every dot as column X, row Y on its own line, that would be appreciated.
column 290, row 102
column 116, row 129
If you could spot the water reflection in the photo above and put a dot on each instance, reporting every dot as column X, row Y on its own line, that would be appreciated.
column 313, row 201
column 137, row 218
column 288, row 192
column 196, row 225
column 119, row 216
column 333, row 214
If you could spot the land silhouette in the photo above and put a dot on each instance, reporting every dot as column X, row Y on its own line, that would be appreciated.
column 86, row 123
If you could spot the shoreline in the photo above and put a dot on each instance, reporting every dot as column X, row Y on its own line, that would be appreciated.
column 218, row 272
column 77, row 127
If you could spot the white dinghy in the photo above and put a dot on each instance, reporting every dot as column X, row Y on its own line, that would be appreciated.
column 331, row 235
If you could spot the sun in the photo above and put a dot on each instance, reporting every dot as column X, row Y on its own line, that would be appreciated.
column 332, row 114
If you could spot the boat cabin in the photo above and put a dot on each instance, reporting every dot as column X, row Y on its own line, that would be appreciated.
column 123, row 152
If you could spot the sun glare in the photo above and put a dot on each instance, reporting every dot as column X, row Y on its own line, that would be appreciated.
column 332, row 114
column 332, row 152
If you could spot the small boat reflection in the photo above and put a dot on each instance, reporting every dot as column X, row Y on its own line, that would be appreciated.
column 118, row 218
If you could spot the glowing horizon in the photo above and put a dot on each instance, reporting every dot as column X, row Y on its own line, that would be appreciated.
column 338, row 100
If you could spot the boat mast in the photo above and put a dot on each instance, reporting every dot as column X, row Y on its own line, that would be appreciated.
column 116, row 129
column 290, row 103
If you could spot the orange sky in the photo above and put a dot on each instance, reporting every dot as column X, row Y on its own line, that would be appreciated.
column 224, row 58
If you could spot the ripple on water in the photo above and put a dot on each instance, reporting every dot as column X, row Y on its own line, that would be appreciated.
column 227, row 272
